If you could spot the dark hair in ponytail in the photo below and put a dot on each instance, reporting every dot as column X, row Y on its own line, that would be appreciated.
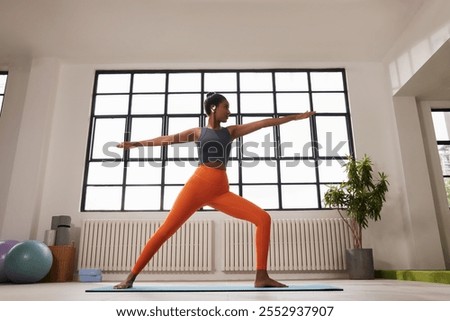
column 212, row 99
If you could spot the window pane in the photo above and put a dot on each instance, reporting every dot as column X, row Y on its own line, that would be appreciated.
column 108, row 133
column 447, row 188
column 234, row 189
column 232, row 101
column 144, row 129
column 250, row 81
column 3, row 84
column 185, row 82
column 444, row 155
column 219, row 82
column 177, row 172
column 103, row 198
column 142, row 198
column 331, row 171
column 184, row 104
column 113, row 83
column 441, row 123
column 329, row 102
column 144, row 172
column 265, row 196
column 111, row 105
column 257, row 103
column 105, row 173
column 327, row 81
column 170, row 194
column 297, row 171
column 299, row 196
column 147, row 83
column 148, row 152
column 233, row 172
column 260, row 172
column 147, row 104
column 291, row 81
column 332, row 136
column 296, row 139
column 260, row 143
column 179, row 124
column 293, row 103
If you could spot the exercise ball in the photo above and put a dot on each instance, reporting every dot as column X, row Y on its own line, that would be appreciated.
column 5, row 246
column 28, row 262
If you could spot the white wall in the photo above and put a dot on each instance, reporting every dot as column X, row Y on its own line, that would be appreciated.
column 375, row 134
column 422, row 219
column 31, row 147
column 10, row 122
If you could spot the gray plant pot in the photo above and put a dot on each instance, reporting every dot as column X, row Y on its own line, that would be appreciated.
column 360, row 264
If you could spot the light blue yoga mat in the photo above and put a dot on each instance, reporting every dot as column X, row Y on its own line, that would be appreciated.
column 215, row 288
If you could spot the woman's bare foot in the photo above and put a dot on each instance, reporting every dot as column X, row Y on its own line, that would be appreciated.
column 264, row 281
column 128, row 283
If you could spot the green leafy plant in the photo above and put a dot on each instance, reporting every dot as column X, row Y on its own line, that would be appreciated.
column 447, row 189
column 361, row 196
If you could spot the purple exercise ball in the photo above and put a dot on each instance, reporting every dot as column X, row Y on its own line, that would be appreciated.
column 5, row 246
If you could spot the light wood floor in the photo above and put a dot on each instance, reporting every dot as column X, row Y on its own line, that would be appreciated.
column 354, row 290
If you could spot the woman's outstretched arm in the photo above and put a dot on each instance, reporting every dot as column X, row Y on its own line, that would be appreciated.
column 189, row 135
column 241, row 130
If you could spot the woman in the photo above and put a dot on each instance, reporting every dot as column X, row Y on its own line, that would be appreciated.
column 209, row 185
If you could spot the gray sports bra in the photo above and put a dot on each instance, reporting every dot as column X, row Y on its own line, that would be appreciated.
column 214, row 145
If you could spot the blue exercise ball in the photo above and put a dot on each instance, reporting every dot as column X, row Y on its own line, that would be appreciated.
column 28, row 262
column 5, row 246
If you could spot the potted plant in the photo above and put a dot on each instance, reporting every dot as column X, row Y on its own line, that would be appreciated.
column 361, row 197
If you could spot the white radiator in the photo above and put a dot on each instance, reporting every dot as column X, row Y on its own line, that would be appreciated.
column 114, row 245
column 296, row 245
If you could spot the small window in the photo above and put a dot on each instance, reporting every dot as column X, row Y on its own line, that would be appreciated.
column 441, row 123
column 3, row 79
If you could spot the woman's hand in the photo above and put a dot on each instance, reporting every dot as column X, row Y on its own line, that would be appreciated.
column 304, row 115
column 126, row 145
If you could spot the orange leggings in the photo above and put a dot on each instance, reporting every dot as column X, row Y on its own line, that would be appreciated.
column 209, row 186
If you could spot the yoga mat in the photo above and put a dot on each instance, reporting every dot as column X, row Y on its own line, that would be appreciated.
column 215, row 288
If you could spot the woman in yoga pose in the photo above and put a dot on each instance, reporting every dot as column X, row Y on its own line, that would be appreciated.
column 209, row 185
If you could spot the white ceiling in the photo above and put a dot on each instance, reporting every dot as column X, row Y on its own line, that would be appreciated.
column 202, row 30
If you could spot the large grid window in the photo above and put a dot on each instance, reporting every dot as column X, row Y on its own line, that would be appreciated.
column 441, row 123
column 279, row 168
column 3, row 78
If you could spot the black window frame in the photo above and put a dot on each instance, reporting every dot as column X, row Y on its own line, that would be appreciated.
column 316, row 158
